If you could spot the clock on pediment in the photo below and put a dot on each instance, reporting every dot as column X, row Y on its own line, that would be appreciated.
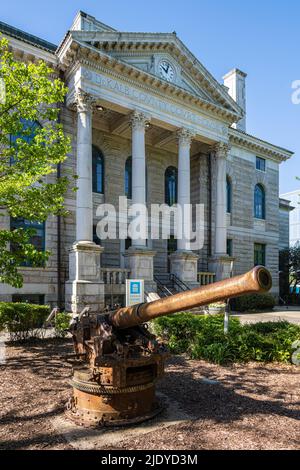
column 166, row 70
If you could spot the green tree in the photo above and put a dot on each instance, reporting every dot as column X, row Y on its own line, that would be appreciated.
column 289, row 265
column 32, row 144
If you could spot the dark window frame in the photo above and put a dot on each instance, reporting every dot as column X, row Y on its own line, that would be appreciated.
column 259, row 202
column 261, row 164
column 229, row 247
column 98, row 170
column 260, row 254
column 171, row 185
column 128, row 178
column 27, row 224
column 228, row 195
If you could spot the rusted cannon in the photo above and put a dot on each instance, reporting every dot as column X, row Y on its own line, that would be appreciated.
column 119, row 360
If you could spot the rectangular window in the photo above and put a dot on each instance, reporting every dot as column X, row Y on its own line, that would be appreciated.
column 29, row 298
column 260, row 164
column 259, row 254
column 38, row 240
column 229, row 247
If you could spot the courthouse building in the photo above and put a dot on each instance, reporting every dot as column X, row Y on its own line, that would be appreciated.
column 147, row 120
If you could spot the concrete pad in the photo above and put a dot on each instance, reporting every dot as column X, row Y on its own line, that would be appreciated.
column 290, row 315
column 93, row 439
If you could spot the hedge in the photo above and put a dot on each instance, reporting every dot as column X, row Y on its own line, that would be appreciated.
column 202, row 337
column 22, row 320
column 253, row 303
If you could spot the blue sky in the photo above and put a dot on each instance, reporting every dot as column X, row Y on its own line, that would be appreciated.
column 260, row 37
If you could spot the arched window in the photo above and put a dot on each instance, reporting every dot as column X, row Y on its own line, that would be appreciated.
column 259, row 202
column 228, row 194
column 98, row 170
column 128, row 178
column 171, row 177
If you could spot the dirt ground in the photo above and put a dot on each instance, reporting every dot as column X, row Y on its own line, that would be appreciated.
column 250, row 407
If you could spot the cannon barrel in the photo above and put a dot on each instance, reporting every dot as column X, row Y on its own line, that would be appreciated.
column 258, row 280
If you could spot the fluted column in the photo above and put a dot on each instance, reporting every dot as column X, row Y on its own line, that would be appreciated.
column 84, row 201
column 221, row 152
column 138, row 124
column 184, row 185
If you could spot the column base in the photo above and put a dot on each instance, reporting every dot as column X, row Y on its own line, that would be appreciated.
column 184, row 264
column 140, row 263
column 84, row 287
column 81, row 294
column 220, row 265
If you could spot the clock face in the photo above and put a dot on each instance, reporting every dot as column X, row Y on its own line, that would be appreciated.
column 166, row 71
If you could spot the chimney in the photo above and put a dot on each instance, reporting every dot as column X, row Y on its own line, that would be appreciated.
column 235, row 81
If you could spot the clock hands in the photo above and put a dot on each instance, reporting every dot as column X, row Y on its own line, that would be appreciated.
column 166, row 69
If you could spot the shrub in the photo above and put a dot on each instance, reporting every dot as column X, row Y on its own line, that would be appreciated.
column 22, row 320
column 61, row 324
column 202, row 337
column 253, row 302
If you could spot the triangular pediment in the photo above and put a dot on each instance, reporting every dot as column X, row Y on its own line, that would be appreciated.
column 153, row 54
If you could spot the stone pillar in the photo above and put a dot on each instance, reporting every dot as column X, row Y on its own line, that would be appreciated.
column 84, row 287
column 138, row 258
column 138, row 124
column 184, row 261
column 220, row 263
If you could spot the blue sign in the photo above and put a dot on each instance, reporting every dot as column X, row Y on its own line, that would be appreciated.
column 134, row 291
column 135, row 288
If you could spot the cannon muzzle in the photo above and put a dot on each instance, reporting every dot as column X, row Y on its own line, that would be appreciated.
column 258, row 280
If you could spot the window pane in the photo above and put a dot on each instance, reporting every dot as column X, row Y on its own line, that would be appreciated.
column 260, row 164
column 259, row 254
column 229, row 247
column 229, row 194
column 171, row 177
column 98, row 171
column 38, row 240
column 259, row 202
column 128, row 178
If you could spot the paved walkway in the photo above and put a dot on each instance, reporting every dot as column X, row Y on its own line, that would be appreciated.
column 292, row 314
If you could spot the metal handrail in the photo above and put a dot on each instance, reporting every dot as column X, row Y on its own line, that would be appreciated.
column 163, row 289
column 181, row 284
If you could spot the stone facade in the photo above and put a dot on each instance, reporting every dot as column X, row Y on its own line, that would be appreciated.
column 185, row 124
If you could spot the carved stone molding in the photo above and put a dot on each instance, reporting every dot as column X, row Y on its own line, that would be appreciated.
column 222, row 150
column 139, row 120
column 84, row 101
column 185, row 136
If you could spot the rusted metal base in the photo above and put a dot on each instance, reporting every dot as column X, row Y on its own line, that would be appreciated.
column 94, row 405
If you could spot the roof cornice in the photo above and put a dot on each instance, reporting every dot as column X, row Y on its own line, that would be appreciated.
column 261, row 147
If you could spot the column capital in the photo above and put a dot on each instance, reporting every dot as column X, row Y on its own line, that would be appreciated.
column 139, row 120
column 222, row 149
column 184, row 136
column 84, row 102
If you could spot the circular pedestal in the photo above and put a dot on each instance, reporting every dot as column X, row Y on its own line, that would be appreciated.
column 96, row 405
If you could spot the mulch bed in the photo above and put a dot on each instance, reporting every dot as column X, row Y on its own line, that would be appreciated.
column 253, row 406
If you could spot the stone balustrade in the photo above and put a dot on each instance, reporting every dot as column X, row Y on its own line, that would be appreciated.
column 115, row 276
column 205, row 278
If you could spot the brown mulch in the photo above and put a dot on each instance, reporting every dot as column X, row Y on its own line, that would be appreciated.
column 253, row 406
